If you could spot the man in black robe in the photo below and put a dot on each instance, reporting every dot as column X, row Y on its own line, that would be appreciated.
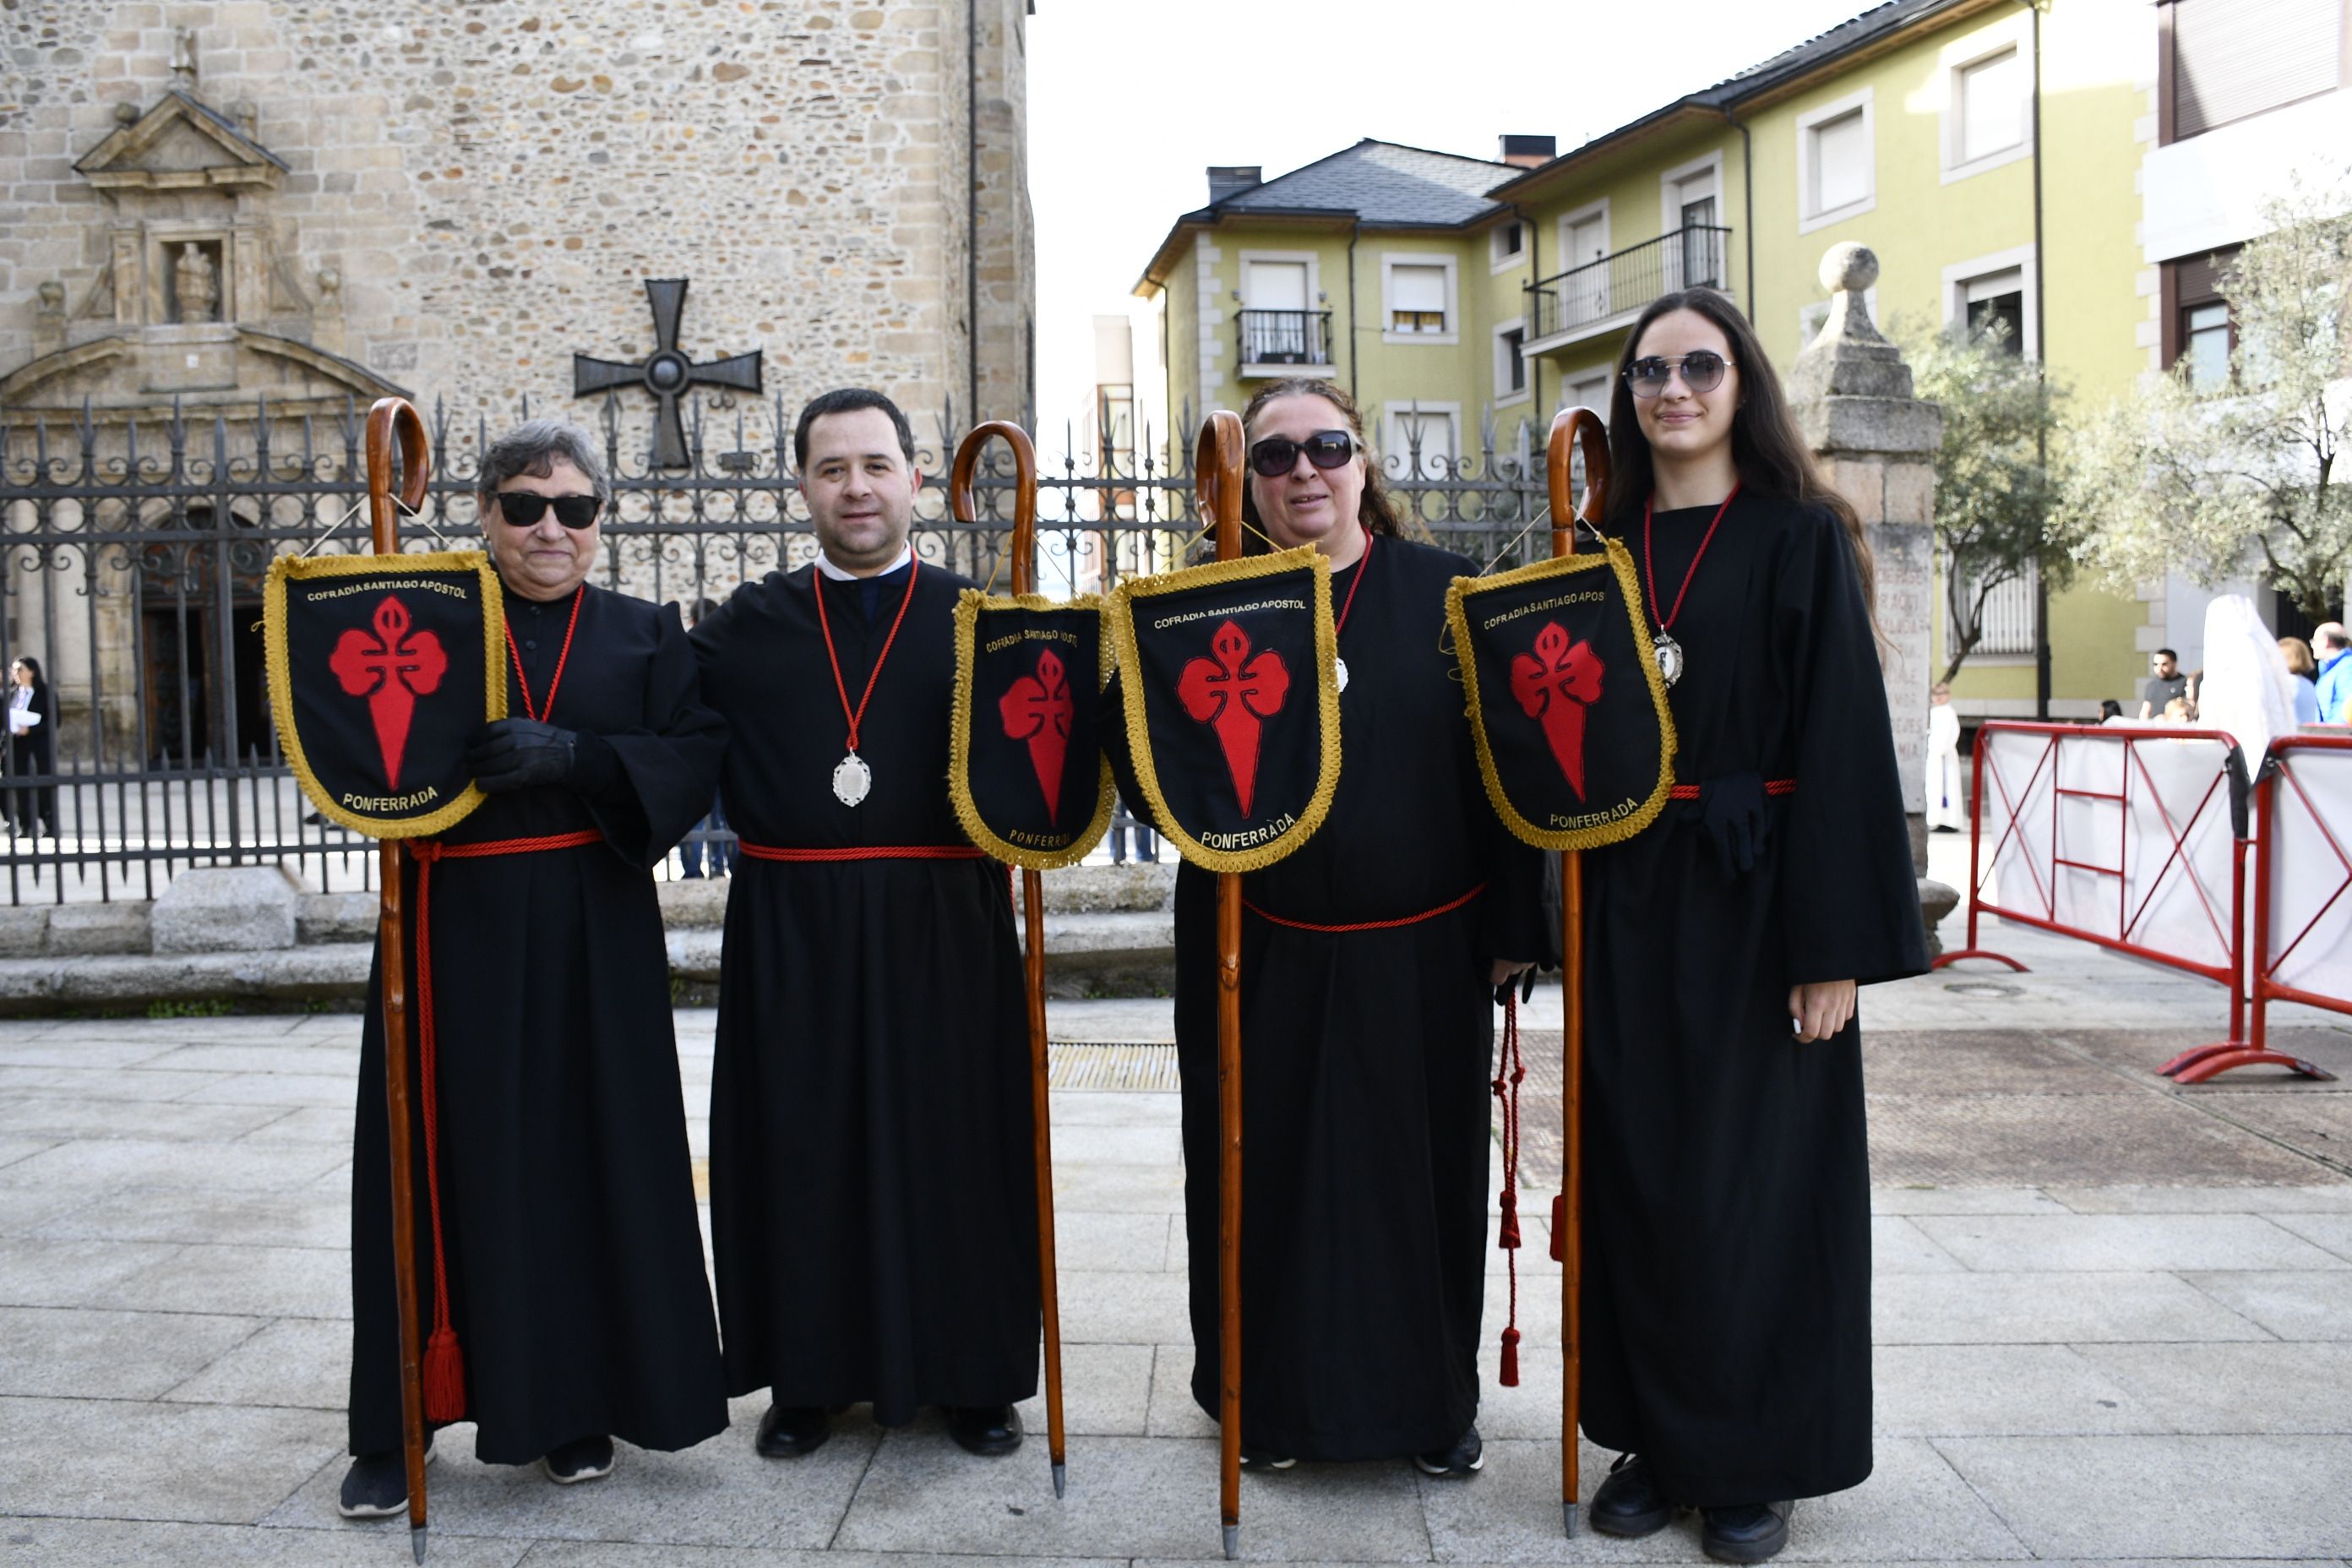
column 567, row 1234
column 873, row 1194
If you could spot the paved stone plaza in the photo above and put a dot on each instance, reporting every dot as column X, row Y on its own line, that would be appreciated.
column 2114, row 1321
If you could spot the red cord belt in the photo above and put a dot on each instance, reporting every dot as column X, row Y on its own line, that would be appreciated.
column 860, row 852
column 1771, row 787
column 444, row 1362
column 1444, row 908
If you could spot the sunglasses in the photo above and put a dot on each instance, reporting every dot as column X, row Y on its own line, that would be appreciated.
column 1278, row 455
column 1702, row 371
column 522, row 508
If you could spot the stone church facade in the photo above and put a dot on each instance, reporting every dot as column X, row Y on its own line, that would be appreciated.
column 319, row 201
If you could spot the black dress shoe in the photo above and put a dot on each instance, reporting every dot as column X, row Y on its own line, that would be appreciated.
column 787, row 1431
column 1628, row 1502
column 1746, row 1532
column 582, row 1459
column 988, row 1430
column 376, row 1486
column 1465, row 1459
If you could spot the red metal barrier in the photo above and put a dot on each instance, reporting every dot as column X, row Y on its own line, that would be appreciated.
column 2182, row 914
column 2310, row 919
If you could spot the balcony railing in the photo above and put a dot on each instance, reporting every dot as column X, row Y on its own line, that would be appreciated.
column 1286, row 337
column 1623, row 283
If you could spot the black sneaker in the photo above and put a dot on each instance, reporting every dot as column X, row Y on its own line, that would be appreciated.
column 376, row 1486
column 582, row 1459
column 1465, row 1459
column 1265, row 1459
column 1746, row 1532
column 1628, row 1502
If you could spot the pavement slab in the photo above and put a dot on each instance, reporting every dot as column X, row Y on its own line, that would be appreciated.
column 63, row 1353
column 254, row 1281
column 110, row 1543
column 96, row 1458
column 188, row 1214
column 2050, row 1308
column 36, row 1273
column 2221, row 1389
column 2005, row 1390
column 2290, row 1306
column 298, row 1361
column 2132, row 1243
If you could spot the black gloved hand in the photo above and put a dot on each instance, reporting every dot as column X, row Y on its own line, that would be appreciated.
column 518, row 753
column 1733, row 809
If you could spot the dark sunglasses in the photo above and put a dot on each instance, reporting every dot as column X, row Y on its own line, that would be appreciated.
column 522, row 508
column 1278, row 455
column 1702, row 371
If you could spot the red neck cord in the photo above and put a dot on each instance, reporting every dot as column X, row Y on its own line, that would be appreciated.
column 1649, row 559
column 579, row 596
column 1364, row 565
column 816, row 581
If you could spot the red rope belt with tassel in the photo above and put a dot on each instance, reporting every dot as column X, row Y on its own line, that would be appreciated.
column 444, row 1362
column 1510, row 1069
column 1444, row 908
column 1771, row 787
column 860, row 852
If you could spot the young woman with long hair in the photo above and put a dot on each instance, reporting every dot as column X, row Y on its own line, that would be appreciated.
column 1368, row 960
column 32, row 749
column 1727, row 1213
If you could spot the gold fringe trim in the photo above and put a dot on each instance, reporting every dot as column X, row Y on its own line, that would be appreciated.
column 281, row 676
column 970, row 602
column 1121, row 626
column 1614, row 557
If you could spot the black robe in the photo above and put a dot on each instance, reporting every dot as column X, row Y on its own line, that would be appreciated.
column 873, row 1190
column 1365, row 1107
column 576, row 1281
column 1727, row 1203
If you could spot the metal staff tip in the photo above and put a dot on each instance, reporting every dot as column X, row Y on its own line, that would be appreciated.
column 416, row 1542
column 1232, row 1541
column 1061, row 1481
column 1568, row 1517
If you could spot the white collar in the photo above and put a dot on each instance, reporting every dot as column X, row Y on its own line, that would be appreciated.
column 825, row 564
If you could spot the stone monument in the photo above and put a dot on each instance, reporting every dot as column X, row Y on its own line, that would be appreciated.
column 1853, row 399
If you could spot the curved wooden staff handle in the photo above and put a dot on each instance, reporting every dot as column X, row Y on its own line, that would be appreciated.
column 964, row 506
column 391, row 420
column 1217, row 481
column 1573, row 427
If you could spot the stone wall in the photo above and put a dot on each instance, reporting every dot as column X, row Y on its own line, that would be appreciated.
column 473, row 193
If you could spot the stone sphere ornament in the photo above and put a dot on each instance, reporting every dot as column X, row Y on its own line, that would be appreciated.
column 1849, row 267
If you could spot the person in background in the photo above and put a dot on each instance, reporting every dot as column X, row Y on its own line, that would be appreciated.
column 2165, row 683
column 1947, row 807
column 2303, row 666
column 708, row 836
column 2110, row 710
column 2330, row 643
column 1122, row 821
column 32, row 749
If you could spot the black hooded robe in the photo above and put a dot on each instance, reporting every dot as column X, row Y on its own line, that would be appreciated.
column 873, row 1188
column 1727, row 1204
column 576, row 1280
column 1365, row 1057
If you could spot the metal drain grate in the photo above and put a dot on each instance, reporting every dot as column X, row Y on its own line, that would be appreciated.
column 1111, row 1065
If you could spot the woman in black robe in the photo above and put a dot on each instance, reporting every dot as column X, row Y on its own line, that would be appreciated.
column 1726, row 1216
column 574, row 1260
column 1364, row 1052
column 32, row 749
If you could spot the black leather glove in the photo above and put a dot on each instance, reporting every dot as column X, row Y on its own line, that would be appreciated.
column 519, row 753
column 1733, row 809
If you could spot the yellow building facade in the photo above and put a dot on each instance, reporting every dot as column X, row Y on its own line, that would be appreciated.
column 1988, row 152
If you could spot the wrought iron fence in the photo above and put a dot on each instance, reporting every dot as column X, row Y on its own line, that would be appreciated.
column 1623, row 281
column 134, row 550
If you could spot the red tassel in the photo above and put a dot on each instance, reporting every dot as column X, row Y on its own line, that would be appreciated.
column 1508, row 1234
column 445, row 1377
column 1559, row 1225
column 1511, row 1378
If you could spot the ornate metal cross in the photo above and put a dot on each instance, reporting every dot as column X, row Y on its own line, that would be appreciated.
column 667, row 373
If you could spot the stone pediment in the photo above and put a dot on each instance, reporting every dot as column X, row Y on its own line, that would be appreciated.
column 181, row 144
column 124, row 375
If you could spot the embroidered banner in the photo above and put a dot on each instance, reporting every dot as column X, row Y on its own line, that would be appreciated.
column 1025, row 763
column 1567, row 706
column 382, row 670
column 1233, row 714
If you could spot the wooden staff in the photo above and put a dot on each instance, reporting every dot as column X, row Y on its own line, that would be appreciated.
column 1573, row 426
column 961, row 503
column 394, row 418
column 1217, row 478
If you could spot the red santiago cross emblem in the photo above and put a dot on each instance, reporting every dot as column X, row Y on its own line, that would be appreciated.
column 1038, row 708
column 1235, row 694
column 1554, row 685
column 391, row 669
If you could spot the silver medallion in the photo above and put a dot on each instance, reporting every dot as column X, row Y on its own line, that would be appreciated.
column 852, row 779
column 1340, row 672
column 1670, row 657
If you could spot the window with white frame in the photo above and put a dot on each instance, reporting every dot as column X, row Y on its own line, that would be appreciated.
column 1994, row 291
column 1836, row 162
column 1506, row 245
column 1417, row 294
column 1510, row 361
column 1421, row 441
column 1590, row 391
column 1990, row 102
